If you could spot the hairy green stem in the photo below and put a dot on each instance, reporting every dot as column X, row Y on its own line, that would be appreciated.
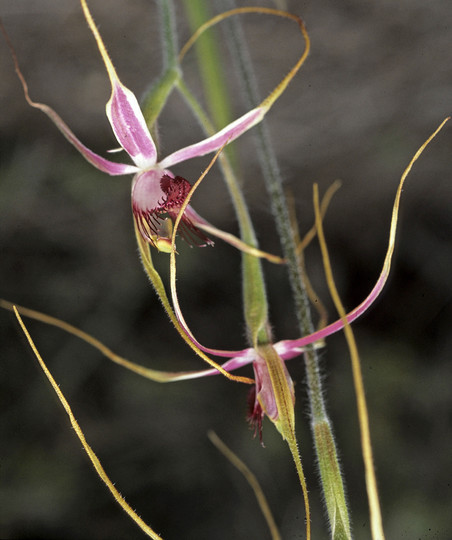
column 254, row 292
column 330, row 473
column 157, row 95
column 169, row 35
column 212, row 74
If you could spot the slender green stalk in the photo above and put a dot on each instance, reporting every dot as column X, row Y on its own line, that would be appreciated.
column 331, row 478
column 212, row 74
column 157, row 95
column 169, row 34
column 255, row 300
column 254, row 294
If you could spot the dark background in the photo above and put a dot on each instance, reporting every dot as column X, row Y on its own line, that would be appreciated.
column 377, row 83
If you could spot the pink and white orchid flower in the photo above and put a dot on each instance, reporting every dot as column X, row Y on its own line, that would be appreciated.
column 157, row 194
column 262, row 399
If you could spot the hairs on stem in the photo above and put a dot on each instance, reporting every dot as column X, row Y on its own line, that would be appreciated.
column 371, row 482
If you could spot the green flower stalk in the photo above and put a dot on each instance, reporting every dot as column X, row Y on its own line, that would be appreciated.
column 332, row 483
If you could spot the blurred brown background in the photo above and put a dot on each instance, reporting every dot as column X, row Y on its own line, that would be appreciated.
column 377, row 83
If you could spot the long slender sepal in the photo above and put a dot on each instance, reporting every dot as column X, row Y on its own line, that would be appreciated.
column 159, row 288
column 109, row 167
column 237, row 243
column 213, row 143
column 92, row 456
column 241, row 358
column 251, row 118
column 237, row 359
column 275, row 94
column 123, row 110
column 379, row 285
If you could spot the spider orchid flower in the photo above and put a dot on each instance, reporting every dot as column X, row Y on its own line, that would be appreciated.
column 262, row 398
column 157, row 194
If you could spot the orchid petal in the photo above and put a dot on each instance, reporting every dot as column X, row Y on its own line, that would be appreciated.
column 105, row 165
column 123, row 111
column 264, row 389
column 129, row 126
column 201, row 223
column 215, row 142
column 110, row 167
column 237, row 362
column 243, row 358
column 147, row 193
column 290, row 347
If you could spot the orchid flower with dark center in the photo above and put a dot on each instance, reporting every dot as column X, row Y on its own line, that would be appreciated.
column 158, row 197
column 157, row 193
column 262, row 398
column 156, row 200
